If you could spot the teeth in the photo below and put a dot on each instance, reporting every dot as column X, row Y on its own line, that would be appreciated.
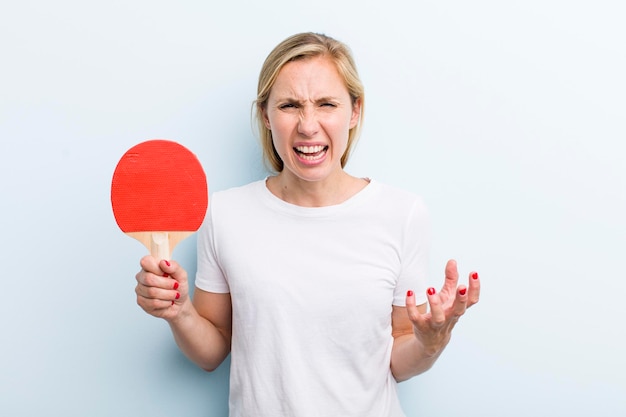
column 310, row 149
column 311, row 157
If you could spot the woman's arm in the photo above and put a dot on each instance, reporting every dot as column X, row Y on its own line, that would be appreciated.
column 421, row 336
column 407, row 357
column 202, row 328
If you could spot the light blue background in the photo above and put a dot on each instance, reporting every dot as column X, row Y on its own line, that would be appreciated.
column 508, row 117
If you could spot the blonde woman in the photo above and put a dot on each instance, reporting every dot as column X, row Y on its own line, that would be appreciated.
column 312, row 279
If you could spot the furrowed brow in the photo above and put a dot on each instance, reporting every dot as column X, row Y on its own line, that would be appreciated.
column 327, row 100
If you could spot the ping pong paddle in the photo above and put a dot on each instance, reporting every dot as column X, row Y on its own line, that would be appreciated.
column 159, row 195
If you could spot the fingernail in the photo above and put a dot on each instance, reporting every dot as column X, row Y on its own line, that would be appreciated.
column 462, row 291
column 431, row 291
column 177, row 295
column 474, row 275
column 409, row 293
column 175, row 285
column 165, row 275
column 172, row 302
column 167, row 263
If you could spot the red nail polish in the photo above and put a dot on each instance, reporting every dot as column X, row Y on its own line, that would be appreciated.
column 167, row 263
column 431, row 291
column 175, row 285
column 462, row 291
column 177, row 295
column 165, row 275
column 409, row 293
column 172, row 302
column 474, row 275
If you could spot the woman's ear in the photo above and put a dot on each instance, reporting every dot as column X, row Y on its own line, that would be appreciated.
column 266, row 119
column 356, row 113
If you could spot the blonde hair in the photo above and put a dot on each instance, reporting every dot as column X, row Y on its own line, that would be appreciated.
column 302, row 46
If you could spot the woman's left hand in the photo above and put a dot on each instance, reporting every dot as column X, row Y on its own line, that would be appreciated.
column 434, row 328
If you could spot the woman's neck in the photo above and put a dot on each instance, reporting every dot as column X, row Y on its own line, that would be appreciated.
column 327, row 192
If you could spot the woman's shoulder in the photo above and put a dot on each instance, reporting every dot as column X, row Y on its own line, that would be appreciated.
column 238, row 192
column 235, row 199
column 401, row 207
column 393, row 194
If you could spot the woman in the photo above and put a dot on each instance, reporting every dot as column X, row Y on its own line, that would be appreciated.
column 314, row 279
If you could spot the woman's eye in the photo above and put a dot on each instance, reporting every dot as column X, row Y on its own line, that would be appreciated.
column 328, row 105
column 287, row 106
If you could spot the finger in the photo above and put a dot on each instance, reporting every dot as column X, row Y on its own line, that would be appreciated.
column 452, row 278
column 474, row 289
column 167, row 293
column 178, row 274
column 173, row 270
column 411, row 308
column 437, row 313
column 152, row 305
column 157, row 308
column 460, row 302
column 150, row 264
column 148, row 279
column 169, row 284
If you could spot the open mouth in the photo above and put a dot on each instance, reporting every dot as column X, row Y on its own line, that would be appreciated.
column 311, row 153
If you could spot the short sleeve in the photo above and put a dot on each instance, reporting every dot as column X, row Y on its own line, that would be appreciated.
column 210, row 276
column 415, row 255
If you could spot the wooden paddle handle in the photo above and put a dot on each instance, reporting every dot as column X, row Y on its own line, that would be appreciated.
column 160, row 245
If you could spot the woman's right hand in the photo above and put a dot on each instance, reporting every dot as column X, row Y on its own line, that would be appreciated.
column 162, row 287
column 203, row 333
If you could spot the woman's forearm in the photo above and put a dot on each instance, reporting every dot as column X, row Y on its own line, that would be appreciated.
column 199, row 339
column 409, row 358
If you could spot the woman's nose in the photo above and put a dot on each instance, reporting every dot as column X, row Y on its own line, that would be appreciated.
column 308, row 124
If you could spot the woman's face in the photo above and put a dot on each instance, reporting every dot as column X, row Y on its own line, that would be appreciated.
column 310, row 113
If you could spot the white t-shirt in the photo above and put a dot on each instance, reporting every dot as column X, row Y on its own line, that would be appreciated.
column 312, row 291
